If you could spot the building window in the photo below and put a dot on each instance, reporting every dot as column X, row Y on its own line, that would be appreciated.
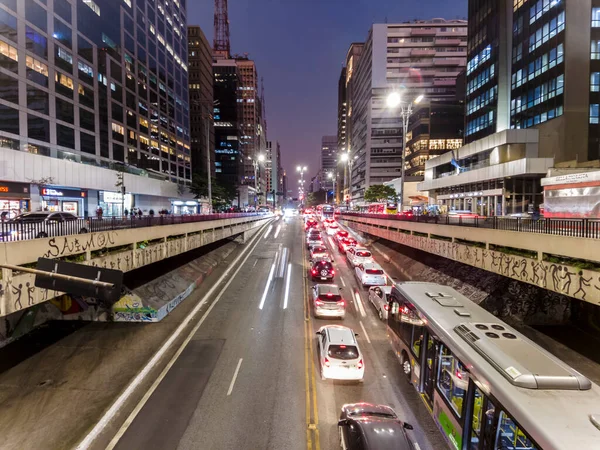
column 594, row 113
column 64, row 80
column 11, row 52
column 547, row 31
column 539, row 8
column 65, row 55
column 36, row 65
column 595, row 82
column 595, row 17
column 118, row 128
column 92, row 6
column 85, row 69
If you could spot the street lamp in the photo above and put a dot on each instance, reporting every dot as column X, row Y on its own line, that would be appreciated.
column 255, row 163
column 332, row 177
column 394, row 99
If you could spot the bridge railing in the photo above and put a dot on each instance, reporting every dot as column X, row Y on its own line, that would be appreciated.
column 583, row 228
column 18, row 231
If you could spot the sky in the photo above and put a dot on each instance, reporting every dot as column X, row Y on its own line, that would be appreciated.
column 299, row 47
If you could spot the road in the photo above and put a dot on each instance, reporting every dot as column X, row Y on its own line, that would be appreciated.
column 248, row 376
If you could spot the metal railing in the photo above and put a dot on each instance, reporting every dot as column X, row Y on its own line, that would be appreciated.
column 582, row 228
column 20, row 231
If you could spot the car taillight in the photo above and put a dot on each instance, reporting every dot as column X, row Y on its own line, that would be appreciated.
column 360, row 364
column 319, row 303
column 332, row 272
column 327, row 363
column 386, row 307
column 314, row 271
column 341, row 303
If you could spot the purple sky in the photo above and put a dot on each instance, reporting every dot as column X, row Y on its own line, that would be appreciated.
column 299, row 47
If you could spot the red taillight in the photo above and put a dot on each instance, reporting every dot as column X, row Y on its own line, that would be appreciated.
column 314, row 272
column 341, row 303
column 360, row 364
column 332, row 272
column 319, row 303
column 386, row 307
column 327, row 363
column 459, row 375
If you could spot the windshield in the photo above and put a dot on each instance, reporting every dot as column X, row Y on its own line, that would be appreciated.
column 319, row 250
column 374, row 271
column 330, row 297
column 342, row 351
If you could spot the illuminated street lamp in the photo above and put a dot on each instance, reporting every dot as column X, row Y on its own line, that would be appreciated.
column 394, row 99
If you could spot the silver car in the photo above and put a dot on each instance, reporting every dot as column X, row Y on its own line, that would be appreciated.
column 328, row 301
column 379, row 297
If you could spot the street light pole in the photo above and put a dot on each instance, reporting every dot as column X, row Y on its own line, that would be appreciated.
column 208, row 116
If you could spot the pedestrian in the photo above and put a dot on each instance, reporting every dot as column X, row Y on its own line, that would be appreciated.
column 140, row 213
column 126, row 212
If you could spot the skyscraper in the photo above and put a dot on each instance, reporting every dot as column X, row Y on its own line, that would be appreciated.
column 328, row 162
column 341, row 134
column 415, row 58
column 201, row 102
column 103, row 85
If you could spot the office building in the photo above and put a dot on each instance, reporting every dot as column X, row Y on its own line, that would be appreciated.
column 415, row 58
column 200, row 72
column 273, row 172
column 88, row 87
column 531, row 102
column 328, row 162
column 341, row 135
column 228, row 156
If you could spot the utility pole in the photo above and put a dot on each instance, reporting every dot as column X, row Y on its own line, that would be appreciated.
column 208, row 168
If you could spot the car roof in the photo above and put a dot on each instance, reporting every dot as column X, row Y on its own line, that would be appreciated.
column 339, row 334
column 371, row 265
column 383, row 434
column 361, row 249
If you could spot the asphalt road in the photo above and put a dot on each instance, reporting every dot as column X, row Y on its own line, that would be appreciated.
column 248, row 377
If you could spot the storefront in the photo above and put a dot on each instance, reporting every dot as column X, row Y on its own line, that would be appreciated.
column 186, row 207
column 14, row 199
column 112, row 203
column 73, row 201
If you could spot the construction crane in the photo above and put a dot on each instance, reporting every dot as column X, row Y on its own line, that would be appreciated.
column 221, row 46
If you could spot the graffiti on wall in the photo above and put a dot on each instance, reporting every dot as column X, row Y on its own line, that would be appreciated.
column 582, row 284
column 67, row 245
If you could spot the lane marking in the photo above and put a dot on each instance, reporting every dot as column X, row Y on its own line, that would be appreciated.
column 287, row 286
column 235, row 374
column 417, row 446
column 359, row 304
column 116, row 406
column 268, row 231
column 364, row 331
column 277, row 231
column 266, row 291
column 284, row 258
column 331, row 243
column 343, row 282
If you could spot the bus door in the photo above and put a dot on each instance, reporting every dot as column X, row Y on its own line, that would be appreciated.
column 429, row 364
column 484, row 416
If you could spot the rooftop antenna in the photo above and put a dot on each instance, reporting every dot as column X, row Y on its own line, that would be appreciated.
column 221, row 46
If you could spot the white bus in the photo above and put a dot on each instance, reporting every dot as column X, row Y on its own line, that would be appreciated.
column 487, row 386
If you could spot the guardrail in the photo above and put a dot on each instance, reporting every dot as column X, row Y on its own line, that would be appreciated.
column 583, row 228
column 20, row 231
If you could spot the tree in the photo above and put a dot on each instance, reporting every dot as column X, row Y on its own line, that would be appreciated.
column 222, row 194
column 316, row 198
column 380, row 193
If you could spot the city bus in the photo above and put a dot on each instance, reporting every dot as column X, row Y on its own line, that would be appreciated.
column 380, row 208
column 487, row 386
column 325, row 211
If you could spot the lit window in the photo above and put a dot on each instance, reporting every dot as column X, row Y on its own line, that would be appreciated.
column 38, row 66
column 80, row 90
column 595, row 82
column 108, row 41
column 144, row 140
column 595, row 17
column 152, row 30
column 85, row 69
column 118, row 128
column 161, row 39
column 127, row 2
column 9, row 51
column 65, row 55
column 143, row 122
column 92, row 6
column 64, row 80
column 594, row 113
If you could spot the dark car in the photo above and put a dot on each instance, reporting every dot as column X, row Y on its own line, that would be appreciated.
column 322, row 270
column 364, row 426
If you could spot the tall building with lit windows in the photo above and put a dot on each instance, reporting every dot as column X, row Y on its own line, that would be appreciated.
column 89, row 87
column 532, row 101
column 413, row 58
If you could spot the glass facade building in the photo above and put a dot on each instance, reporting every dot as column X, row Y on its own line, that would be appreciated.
column 100, row 82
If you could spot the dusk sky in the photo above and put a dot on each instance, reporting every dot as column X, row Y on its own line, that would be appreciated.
column 299, row 47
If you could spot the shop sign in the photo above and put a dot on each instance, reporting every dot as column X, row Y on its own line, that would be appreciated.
column 14, row 188
column 51, row 192
column 467, row 194
column 112, row 197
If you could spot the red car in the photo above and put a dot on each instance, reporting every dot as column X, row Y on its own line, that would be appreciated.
column 311, row 223
column 340, row 234
column 344, row 243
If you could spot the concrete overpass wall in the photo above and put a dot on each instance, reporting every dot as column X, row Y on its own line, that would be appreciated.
column 483, row 248
column 125, row 250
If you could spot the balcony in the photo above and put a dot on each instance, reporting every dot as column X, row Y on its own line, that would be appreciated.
column 423, row 32
column 423, row 52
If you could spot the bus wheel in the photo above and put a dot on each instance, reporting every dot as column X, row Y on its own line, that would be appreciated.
column 406, row 367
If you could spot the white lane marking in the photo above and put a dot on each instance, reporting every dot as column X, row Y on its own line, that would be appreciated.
column 277, row 231
column 235, row 374
column 359, row 304
column 287, row 286
column 343, row 282
column 331, row 242
column 364, row 331
column 282, row 262
column 118, row 404
column 266, row 291
column 417, row 446
column 268, row 231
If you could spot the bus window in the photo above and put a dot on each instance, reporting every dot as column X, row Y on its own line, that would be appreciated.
column 510, row 437
column 452, row 379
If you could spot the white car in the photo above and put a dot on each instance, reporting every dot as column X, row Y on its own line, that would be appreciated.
column 314, row 239
column 328, row 301
column 332, row 229
column 319, row 252
column 370, row 274
column 358, row 255
column 339, row 355
column 379, row 298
